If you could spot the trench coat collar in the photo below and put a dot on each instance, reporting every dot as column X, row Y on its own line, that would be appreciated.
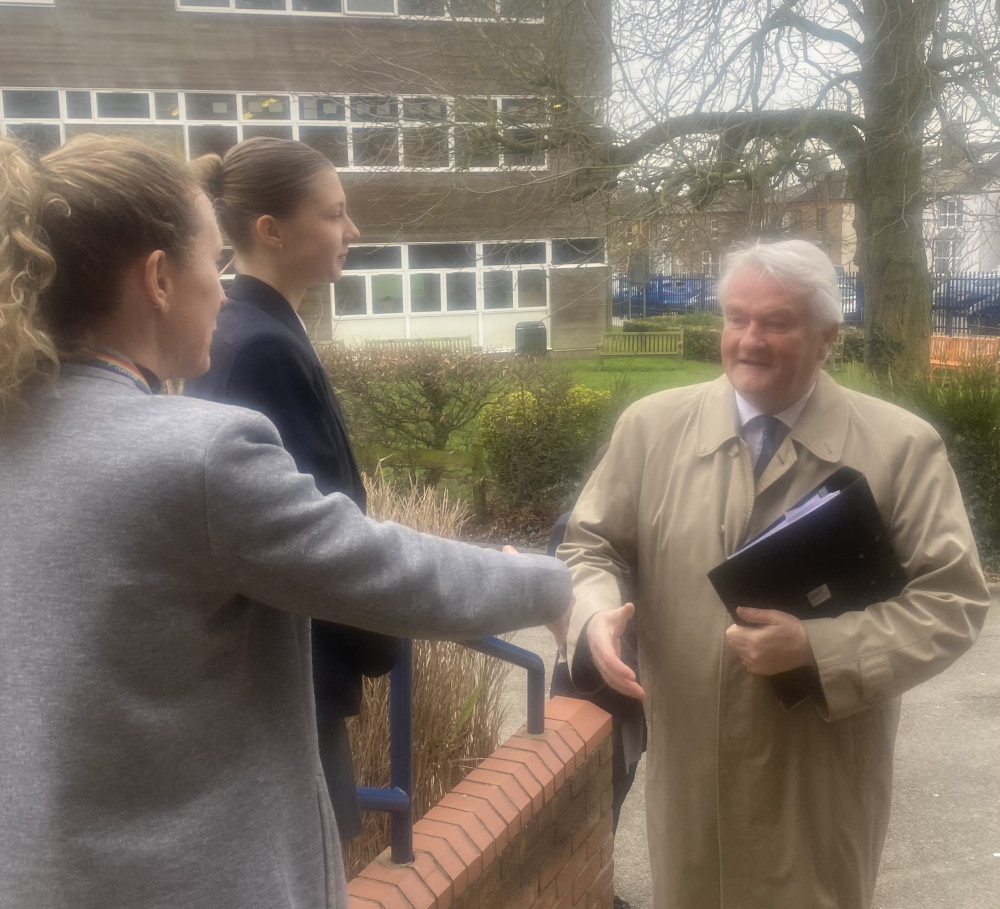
column 821, row 428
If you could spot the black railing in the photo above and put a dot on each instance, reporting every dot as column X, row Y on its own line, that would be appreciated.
column 398, row 798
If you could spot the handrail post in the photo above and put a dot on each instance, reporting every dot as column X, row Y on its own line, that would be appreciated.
column 401, row 752
column 511, row 653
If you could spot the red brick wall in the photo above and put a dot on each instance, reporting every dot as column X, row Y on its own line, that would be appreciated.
column 529, row 828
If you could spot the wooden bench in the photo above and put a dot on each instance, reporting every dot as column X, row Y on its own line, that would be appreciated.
column 961, row 353
column 462, row 343
column 668, row 343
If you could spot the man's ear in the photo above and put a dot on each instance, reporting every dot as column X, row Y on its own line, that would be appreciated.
column 829, row 335
column 156, row 279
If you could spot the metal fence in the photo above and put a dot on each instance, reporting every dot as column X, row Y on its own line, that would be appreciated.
column 966, row 304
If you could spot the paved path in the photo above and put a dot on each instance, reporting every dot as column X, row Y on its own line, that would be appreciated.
column 943, row 849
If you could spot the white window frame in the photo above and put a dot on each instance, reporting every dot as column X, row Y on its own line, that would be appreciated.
column 294, row 122
column 230, row 8
column 479, row 269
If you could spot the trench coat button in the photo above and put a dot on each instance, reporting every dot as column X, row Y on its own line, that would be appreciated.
column 734, row 450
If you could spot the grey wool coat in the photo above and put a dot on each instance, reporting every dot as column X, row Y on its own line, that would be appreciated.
column 157, row 730
column 749, row 805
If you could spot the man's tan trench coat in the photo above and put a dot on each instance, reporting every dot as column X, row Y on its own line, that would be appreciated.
column 750, row 806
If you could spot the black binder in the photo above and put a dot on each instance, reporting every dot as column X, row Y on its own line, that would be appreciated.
column 834, row 559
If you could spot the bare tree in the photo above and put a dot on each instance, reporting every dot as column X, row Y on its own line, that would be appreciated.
column 686, row 98
column 715, row 92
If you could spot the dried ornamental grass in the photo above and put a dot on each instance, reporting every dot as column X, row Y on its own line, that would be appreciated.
column 457, row 707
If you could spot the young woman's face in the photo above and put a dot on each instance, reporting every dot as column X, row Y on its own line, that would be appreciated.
column 316, row 236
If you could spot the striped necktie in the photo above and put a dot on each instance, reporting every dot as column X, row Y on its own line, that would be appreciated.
column 768, row 443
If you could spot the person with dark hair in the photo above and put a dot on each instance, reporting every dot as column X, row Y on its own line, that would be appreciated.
column 752, row 803
column 281, row 205
column 158, row 743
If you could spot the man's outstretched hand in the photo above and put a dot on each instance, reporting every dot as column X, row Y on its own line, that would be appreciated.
column 604, row 635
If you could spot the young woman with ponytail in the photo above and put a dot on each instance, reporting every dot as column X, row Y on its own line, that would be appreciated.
column 283, row 209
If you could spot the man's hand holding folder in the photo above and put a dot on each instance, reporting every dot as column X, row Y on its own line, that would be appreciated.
column 770, row 641
column 828, row 555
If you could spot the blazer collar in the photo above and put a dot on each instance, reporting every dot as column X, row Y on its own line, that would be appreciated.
column 253, row 291
column 821, row 428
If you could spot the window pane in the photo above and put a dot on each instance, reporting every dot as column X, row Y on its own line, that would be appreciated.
column 31, row 104
column 266, row 107
column 321, row 108
column 349, row 296
column 577, row 251
column 369, row 258
column 531, row 287
column 274, row 132
column 526, row 147
column 167, row 106
column 442, row 255
column 432, row 110
column 425, row 147
column 260, row 4
column 521, row 9
column 425, row 293
column 421, row 7
column 474, row 110
column 472, row 9
column 170, row 138
column 330, row 140
column 523, row 110
column 375, row 147
column 205, row 106
column 461, row 288
column 122, row 104
column 204, row 140
column 39, row 138
column 498, row 290
column 213, row 3
column 387, row 294
column 475, row 146
column 370, row 6
column 78, row 106
column 374, row 109
column 317, row 6
column 514, row 254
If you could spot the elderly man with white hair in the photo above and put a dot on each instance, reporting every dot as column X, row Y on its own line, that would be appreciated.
column 750, row 804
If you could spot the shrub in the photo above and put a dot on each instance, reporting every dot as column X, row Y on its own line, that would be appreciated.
column 652, row 323
column 417, row 397
column 703, row 343
column 964, row 406
column 699, row 319
column 539, row 439
column 457, row 693
column 854, row 344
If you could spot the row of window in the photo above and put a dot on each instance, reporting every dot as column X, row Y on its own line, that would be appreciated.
column 363, row 131
column 530, row 10
column 455, row 277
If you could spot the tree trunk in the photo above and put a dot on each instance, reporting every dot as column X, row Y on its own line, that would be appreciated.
column 888, row 188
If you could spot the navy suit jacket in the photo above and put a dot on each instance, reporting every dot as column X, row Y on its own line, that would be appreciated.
column 262, row 359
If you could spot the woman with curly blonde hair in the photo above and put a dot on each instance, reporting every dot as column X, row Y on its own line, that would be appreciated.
column 157, row 730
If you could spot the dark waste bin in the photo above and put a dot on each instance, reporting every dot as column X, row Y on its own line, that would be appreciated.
column 529, row 338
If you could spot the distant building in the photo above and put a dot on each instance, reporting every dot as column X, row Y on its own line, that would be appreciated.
column 445, row 153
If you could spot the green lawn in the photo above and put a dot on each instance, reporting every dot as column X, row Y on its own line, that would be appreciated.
column 641, row 375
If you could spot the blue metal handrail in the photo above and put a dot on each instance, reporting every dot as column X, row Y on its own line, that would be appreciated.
column 397, row 799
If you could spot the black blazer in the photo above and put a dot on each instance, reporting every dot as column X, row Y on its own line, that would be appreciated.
column 262, row 359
